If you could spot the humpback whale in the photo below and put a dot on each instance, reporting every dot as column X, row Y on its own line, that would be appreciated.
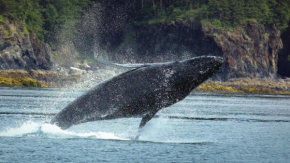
column 142, row 91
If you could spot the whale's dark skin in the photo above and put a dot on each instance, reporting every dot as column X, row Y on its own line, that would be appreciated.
column 139, row 92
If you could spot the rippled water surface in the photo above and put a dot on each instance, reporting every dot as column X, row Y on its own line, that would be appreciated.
column 201, row 128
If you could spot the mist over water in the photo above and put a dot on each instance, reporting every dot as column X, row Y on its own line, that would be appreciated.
column 201, row 128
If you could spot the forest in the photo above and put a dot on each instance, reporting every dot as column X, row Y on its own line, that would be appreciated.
column 221, row 12
column 42, row 17
column 46, row 17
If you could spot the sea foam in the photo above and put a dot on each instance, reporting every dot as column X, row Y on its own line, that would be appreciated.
column 29, row 129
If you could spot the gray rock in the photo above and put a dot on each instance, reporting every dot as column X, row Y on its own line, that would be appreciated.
column 22, row 50
column 76, row 71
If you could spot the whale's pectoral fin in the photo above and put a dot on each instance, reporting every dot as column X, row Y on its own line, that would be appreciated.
column 146, row 118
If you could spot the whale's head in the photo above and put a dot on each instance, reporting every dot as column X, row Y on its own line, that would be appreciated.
column 195, row 71
column 204, row 66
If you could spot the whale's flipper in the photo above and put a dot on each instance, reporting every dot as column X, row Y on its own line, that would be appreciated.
column 147, row 117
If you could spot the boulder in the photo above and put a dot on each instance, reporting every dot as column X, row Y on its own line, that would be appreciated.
column 20, row 49
column 76, row 71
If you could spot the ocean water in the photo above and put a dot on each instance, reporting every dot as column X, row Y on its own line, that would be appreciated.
column 201, row 128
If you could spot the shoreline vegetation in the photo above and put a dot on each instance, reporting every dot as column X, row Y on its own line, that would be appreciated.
column 247, row 85
column 54, row 79
column 35, row 78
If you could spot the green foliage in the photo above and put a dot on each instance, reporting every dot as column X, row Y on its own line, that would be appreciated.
column 218, row 23
column 220, row 12
column 55, row 21
column 22, row 82
column 2, row 19
column 281, row 13
column 26, row 10
column 60, row 16
column 266, row 36
column 43, row 17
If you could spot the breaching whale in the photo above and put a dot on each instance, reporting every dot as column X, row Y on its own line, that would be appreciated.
column 142, row 91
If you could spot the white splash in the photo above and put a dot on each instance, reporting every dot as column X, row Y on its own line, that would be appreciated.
column 51, row 131
column 148, row 134
column 26, row 128
column 55, row 131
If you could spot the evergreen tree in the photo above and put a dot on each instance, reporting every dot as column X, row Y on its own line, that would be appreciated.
column 264, row 11
column 28, row 11
column 213, row 8
column 251, row 9
column 225, row 13
column 281, row 16
column 237, row 12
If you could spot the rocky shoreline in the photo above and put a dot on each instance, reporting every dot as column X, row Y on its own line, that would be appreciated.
column 247, row 85
column 90, row 78
column 251, row 54
column 35, row 78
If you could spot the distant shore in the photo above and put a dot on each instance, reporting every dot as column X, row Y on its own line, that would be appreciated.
column 35, row 78
column 55, row 79
column 247, row 85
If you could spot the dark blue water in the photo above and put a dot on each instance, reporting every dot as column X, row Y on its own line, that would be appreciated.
column 201, row 128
